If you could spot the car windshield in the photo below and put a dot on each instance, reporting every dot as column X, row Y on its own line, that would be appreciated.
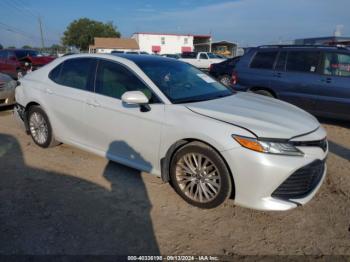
column 23, row 53
column 212, row 56
column 183, row 83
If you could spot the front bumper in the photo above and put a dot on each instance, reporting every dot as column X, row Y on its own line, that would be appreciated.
column 257, row 176
column 7, row 96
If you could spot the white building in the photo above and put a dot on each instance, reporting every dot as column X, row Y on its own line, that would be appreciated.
column 159, row 43
column 108, row 44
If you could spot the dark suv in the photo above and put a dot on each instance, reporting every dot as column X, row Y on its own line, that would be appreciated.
column 315, row 78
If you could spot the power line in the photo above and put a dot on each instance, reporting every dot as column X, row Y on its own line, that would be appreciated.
column 28, row 13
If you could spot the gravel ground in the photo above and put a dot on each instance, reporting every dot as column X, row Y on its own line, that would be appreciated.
column 66, row 201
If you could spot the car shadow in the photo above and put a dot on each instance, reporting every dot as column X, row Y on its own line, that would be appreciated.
column 339, row 150
column 6, row 108
column 44, row 212
column 329, row 121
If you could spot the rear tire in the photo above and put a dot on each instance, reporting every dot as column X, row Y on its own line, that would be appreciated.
column 40, row 128
column 264, row 93
column 200, row 176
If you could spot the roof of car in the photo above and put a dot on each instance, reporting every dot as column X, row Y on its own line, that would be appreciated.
column 143, row 58
column 305, row 47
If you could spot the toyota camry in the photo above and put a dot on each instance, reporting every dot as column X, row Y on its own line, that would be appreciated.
column 167, row 118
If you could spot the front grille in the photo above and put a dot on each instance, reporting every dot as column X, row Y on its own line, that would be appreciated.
column 319, row 143
column 302, row 182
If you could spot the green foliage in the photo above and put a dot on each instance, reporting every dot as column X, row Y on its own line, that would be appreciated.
column 26, row 47
column 80, row 33
column 1, row 47
column 11, row 47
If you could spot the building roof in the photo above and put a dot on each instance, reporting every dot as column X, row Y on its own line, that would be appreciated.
column 115, row 43
column 150, row 33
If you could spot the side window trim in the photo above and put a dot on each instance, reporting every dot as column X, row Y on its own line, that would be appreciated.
column 277, row 60
column 129, row 69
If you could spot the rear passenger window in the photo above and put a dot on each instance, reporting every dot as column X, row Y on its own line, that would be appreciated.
column 303, row 61
column 337, row 64
column 55, row 73
column 114, row 80
column 264, row 59
column 74, row 73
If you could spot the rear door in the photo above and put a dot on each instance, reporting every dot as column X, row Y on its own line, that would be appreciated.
column 65, row 97
column 296, row 80
column 12, row 64
column 334, row 91
column 3, row 62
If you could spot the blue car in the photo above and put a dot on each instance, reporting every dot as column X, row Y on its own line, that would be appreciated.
column 315, row 78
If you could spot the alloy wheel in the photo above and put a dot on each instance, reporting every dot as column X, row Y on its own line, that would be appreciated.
column 198, row 177
column 38, row 128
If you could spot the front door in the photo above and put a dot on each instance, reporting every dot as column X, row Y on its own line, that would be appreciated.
column 124, row 132
column 334, row 91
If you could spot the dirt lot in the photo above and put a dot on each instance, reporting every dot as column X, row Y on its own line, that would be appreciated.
column 65, row 201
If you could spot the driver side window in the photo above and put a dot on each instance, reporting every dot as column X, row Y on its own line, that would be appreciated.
column 114, row 80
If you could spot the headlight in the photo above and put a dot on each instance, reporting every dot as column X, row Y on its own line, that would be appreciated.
column 270, row 147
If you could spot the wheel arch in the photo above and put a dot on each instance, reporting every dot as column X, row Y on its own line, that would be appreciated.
column 255, row 88
column 26, row 111
column 165, row 162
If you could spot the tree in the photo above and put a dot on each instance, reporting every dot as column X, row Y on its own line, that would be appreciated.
column 80, row 33
column 11, row 47
column 26, row 47
column 1, row 47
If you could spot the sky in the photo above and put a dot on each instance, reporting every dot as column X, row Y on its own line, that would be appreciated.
column 247, row 22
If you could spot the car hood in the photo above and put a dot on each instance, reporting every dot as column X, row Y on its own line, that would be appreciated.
column 265, row 117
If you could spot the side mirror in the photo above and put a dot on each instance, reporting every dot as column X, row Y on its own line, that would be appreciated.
column 135, row 98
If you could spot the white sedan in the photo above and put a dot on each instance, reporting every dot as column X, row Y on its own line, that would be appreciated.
column 167, row 118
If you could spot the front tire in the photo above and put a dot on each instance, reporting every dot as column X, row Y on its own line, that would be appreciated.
column 200, row 176
column 40, row 128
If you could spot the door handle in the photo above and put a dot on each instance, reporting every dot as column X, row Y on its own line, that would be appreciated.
column 327, row 80
column 93, row 103
column 277, row 75
column 49, row 91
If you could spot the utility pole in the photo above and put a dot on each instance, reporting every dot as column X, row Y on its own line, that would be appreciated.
column 41, row 32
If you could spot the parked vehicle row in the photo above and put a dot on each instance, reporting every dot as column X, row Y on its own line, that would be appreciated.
column 168, row 118
column 16, row 62
column 201, row 60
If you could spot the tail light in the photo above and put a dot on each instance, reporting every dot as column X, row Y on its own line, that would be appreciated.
column 210, row 67
column 234, row 78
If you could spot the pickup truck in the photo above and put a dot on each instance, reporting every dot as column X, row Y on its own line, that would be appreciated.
column 201, row 60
